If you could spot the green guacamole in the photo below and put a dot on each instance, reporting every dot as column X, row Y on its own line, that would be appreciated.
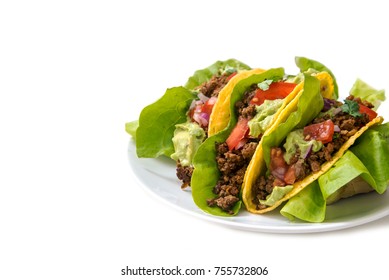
column 295, row 140
column 186, row 140
column 264, row 116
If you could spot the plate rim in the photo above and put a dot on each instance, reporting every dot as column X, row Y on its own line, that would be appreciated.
column 297, row 228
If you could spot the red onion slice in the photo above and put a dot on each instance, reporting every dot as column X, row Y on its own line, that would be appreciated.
column 201, row 118
column 202, row 97
column 328, row 103
column 308, row 152
column 192, row 105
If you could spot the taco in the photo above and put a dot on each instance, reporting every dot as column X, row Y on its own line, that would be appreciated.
column 363, row 168
column 297, row 151
column 177, row 123
column 254, row 105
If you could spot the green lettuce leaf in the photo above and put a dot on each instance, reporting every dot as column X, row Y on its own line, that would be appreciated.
column 305, row 64
column 308, row 205
column 155, row 129
column 203, row 75
column 368, row 93
column 277, row 194
column 206, row 173
column 309, row 105
column 131, row 128
column 368, row 159
column 372, row 148
column 347, row 168
column 157, row 122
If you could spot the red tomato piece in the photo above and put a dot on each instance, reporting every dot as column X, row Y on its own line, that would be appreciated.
column 290, row 175
column 232, row 75
column 239, row 132
column 320, row 131
column 366, row 110
column 277, row 90
column 208, row 105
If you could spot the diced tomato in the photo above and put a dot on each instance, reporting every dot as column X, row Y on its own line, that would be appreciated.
column 320, row 131
column 239, row 132
column 208, row 105
column 232, row 75
column 201, row 112
column 284, row 174
column 277, row 90
column 290, row 175
column 366, row 110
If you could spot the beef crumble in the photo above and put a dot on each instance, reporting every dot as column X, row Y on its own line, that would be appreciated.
column 232, row 166
column 243, row 107
column 184, row 173
column 214, row 85
column 360, row 101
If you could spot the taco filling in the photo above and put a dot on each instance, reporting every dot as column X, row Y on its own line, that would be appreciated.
column 188, row 136
column 305, row 150
column 255, row 113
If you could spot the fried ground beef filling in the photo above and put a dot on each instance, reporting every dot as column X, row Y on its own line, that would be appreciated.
column 232, row 166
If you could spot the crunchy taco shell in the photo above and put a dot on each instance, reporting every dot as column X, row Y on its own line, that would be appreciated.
column 221, row 111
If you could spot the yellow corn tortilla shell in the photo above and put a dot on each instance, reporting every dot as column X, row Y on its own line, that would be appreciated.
column 257, row 167
column 326, row 84
column 221, row 114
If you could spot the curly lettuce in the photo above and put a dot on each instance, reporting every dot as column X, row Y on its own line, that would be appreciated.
column 203, row 75
column 305, row 64
column 368, row 93
column 157, row 123
column 308, row 205
column 131, row 128
column 372, row 149
column 154, row 130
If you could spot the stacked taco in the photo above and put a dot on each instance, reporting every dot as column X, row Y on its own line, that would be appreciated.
column 256, row 104
column 261, row 138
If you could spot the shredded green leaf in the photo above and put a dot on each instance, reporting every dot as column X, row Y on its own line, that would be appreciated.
column 131, row 128
column 228, row 70
column 368, row 93
column 265, row 84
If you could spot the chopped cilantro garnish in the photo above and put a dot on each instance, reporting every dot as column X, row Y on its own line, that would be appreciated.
column 351, row 107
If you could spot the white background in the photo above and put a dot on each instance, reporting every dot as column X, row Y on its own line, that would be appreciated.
column 73, row 72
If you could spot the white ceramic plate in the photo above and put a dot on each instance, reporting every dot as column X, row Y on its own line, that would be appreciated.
column 159, row 178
